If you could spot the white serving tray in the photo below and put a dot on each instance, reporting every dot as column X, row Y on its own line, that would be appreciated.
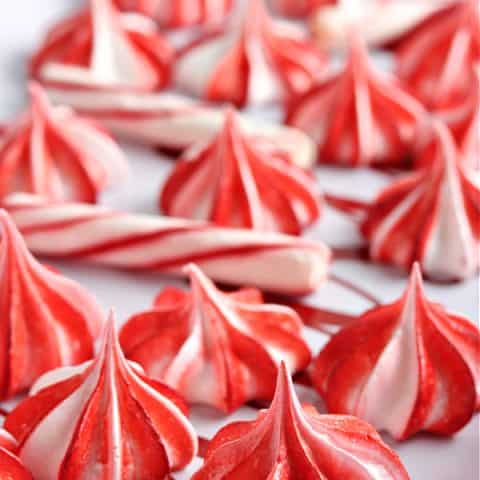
column 425, row 457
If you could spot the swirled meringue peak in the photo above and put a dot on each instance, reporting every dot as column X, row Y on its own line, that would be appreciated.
column 256, row 61
column 436, row 61
column 291, row 442
column 359, row 116
column 216, row 349
column 11, row 468
column 406, row 367
column 47, row 321
column 180, row 13
column 104, row 419
column 239, row 180
column 429, row 216
column 52, row 152
column 101, row 52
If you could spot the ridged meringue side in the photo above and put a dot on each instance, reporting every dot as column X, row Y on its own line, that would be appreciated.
column 406, row 367
column 436, row 61
column 11, row 468
column 52, row 152
column 102, row 420
column 46, row 320
column 359, row 116
column 289, row 442
column 429, row 216
column 100, row 50
column 180, row 13
column 238, row 180
column 216, row 349
column 253, row 62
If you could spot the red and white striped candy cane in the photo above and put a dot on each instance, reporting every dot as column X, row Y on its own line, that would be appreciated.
column 97, row 234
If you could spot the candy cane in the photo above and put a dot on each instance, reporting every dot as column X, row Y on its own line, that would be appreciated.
column 99, row 235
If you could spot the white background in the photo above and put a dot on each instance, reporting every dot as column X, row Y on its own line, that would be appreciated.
column 22, row 23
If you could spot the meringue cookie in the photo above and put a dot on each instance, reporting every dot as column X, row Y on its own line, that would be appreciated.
column 436, row 61
column 406, row 367
column 238, row 180
column 11, row 467
column 100, row 52
column 54, row 153
column 290, row 442
column 216, row 349
column 47, row 320
column 180, row 13
column 429, row 216
column 359, row 116
column 103, row 420
column 256, row 61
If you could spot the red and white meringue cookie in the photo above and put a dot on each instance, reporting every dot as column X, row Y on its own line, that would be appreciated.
column 238, row 180
column 289, row 442
column 254, row 62
column 215, row 348
column 103, row 57
column 359, row 116
column 46, row 320
column 279, row 263
column 180, row 13
column 381, row 22
column 406, row 367
column 436, row 61
column 104, row 419
column 429, row 216
column 11, row 468
column 54, row 153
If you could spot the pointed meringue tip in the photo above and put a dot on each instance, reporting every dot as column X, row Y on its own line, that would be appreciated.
column 38, row 96
column 111, row 324
column 109, row 330
column 283, row 377
column 283, row 370
column 416, row 277
column 198, row 279
column 231, row 119
column 6, row 222
column 192, row 270
column 3, row 214
column 230, row 114
column 446, row 140
column 34, row 88
column 356, row 41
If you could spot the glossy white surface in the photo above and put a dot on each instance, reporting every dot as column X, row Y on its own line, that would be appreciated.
column 425, row 457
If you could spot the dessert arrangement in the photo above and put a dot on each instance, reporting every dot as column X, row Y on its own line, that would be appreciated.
column 233, row 372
